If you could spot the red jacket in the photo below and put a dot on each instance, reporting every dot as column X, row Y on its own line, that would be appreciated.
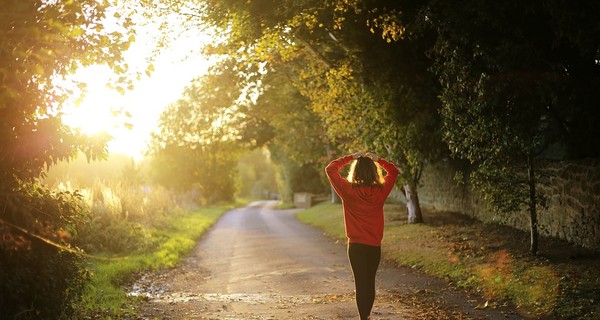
column 363, row 206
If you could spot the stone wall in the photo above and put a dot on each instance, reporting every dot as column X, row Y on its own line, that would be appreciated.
column 573, row 200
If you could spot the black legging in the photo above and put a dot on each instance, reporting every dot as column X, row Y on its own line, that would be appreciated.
column 364, row 260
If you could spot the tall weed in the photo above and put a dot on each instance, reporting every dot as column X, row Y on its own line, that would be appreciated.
column 120, row 215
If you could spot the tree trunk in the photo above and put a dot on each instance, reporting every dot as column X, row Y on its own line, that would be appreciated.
column 532, row 207
column 412, row 203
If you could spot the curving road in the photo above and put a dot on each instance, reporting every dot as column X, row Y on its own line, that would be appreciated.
column 260, row 263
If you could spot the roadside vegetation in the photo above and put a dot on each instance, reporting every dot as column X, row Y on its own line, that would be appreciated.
column 106, row 295
column 492, row 261
column 129, row 228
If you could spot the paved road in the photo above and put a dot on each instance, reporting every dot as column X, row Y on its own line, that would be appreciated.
column 259, row 263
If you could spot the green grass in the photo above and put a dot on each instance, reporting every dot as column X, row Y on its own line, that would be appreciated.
column 489, row 260
column 105, row 293
column 284, row 205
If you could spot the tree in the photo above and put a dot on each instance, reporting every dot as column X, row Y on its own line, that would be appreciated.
column 257, row 175
column 392, row 94
column 297, row 144
column 42, row 42
column 518, row 81
column 194, row 146
column 333, row 56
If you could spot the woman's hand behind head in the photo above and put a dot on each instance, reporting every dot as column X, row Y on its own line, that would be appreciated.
column 356, row 155
column 371, row 155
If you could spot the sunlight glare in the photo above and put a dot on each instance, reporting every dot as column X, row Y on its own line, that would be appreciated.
column 105, row 110
column 96, row 112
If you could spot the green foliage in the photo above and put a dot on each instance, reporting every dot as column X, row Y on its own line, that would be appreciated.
column 284, row 111
column 341, row 86
column 194, row 147
column 120, row 214
column 256, row 174
column 172, row 237
column 108, row 218
column 46, row 275
column 210, row 169
column 84, row 173
column 502, row 83
column 293, row 177
column 521, row 64
column 41, row 283
column 174, row 167
column 507, row 72
column 42, row 43
column 129, row 229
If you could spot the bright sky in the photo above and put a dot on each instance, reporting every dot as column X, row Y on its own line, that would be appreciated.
column 174, row 68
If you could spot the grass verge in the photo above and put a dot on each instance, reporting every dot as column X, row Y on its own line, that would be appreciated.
column 562, row 282
column 106, row 297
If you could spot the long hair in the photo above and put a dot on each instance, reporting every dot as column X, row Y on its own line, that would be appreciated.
column 364, row 172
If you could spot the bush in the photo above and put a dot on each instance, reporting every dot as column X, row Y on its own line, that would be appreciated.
column 120, row 215
column 41, row 277
column 44, row 282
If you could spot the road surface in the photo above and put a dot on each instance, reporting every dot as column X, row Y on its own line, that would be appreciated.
column 260, row 263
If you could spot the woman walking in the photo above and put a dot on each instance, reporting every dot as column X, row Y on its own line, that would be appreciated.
column 363, row 195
